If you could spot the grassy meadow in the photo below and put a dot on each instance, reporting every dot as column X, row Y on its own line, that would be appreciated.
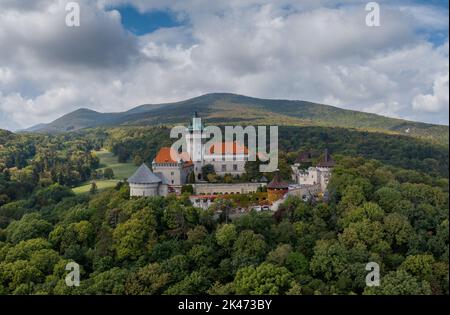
column 121, row 170
column 108, row 160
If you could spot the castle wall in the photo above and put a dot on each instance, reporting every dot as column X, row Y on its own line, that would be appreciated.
column 163, row 190
column 172, row 174
column 144, row 190
column 218, row 188
column 315, row 177
column 305, row 190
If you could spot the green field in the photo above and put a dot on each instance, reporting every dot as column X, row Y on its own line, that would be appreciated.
column 107, row 159
column 101, row 184
column 121, row 170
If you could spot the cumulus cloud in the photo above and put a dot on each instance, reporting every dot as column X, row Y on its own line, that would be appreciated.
column 43, row 37
column 53, row 103
column 437, row 101
column 5, row 75
column 24, row 5
column 310, row 50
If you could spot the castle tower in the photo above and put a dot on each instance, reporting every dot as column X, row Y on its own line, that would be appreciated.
column 195, row 140
column 277, row 188
column 144, row 183
column 324, row 168
column 327, row 161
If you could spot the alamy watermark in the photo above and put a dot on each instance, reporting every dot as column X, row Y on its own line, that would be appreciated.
column 207, row 144
column 73, row 18
column 373, row 17
column 73, row 277
column 373, row 277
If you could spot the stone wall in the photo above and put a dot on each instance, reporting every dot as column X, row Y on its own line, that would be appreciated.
column 305, row 190
column 219, row 188
column 144, row 190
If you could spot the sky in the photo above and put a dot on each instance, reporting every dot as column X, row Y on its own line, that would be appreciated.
column 131, row 52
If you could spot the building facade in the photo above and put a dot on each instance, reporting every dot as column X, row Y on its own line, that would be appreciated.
column 316, row 177
column 173, row 172
column 226, row 189
column 225, row 157
column 230, row 159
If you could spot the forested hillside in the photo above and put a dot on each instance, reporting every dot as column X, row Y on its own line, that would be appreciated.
column 165, row 246
column 396, row 150
column 225, row 108
column 388, row 204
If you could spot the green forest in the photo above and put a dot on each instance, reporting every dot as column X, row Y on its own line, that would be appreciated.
column 388, row 203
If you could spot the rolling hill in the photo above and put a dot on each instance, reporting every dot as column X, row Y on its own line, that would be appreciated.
column 225, row 108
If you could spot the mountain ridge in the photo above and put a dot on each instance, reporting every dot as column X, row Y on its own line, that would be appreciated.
column 230, row 108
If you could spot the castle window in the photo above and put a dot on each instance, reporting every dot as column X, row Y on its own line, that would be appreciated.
column 224, row 167
column 235, row 167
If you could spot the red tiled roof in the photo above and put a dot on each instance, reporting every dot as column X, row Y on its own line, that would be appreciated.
column 164, row 156
column 229, row 148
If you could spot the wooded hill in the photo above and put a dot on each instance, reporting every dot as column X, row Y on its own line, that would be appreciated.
column 224, row 108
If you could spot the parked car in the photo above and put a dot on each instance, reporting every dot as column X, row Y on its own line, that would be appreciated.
column 257, row 208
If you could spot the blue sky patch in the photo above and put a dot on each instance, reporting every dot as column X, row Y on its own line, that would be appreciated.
column 143, row 23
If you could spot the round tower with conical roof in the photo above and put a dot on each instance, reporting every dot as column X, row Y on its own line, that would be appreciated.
column 144, row 182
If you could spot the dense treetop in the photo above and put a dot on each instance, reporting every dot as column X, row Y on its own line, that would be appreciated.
column 388, row 204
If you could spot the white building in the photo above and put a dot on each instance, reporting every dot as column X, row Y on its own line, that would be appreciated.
column 144, row 183
column 226, row 157
column 195, row 140
column 314, row 177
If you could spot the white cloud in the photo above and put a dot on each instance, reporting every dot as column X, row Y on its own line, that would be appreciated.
column 437, row 102
column 5, row 75
column 287, row 49
column 386, row 109
column 50, row 105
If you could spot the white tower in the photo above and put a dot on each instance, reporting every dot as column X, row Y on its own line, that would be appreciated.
column 195, row 145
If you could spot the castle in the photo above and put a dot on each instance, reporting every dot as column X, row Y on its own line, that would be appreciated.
column 170, row 174
column 172, row 170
